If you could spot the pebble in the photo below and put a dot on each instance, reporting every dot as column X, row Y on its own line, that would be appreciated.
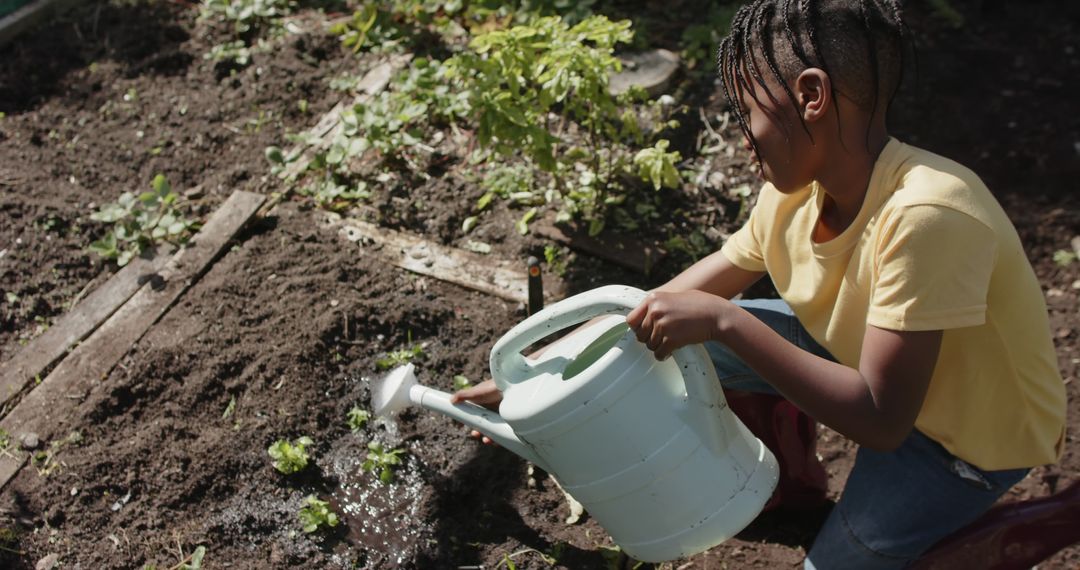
column 47, row 563
column 30, row 441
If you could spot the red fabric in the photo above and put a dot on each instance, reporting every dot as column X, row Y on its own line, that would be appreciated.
column 792, row 437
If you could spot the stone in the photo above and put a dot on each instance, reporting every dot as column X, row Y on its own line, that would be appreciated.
column 651, row 70
column 47, row 563
column 30, row 441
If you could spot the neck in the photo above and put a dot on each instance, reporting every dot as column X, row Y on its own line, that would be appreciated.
column 845, row 175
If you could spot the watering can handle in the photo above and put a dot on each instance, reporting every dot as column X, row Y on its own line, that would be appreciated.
column 509, row 367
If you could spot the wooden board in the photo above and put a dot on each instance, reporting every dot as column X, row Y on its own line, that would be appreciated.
column 500, row 278
column 47, row 409
column 45, row 350
column 28, row 16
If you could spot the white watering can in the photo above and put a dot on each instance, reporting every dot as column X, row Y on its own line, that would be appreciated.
column 648, row 447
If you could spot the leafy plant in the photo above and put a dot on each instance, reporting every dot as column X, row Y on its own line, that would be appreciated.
column 1064, row 257
column 245, row 15
column 316, row 513
column 141, row 221
column 398, row 357
column 553, row 256
column 381, row 460
column 461, row 382
column 194, row 561
column 290, row 457
column 656, row 165
column 700, row 41
column 357, row 418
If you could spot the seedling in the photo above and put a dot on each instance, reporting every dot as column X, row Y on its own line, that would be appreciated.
column 5, row 444
column 290, row 457
column 316, row 513
column 461, row 382
column 398, row 357
column 657, row 165
column 1064, row 257
column 141, row 221
column 358, row 418
column 381, row 460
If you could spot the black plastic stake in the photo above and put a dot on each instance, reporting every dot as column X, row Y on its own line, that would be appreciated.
column 536, row 286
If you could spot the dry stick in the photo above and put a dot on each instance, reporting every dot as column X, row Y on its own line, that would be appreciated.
column 44, row 410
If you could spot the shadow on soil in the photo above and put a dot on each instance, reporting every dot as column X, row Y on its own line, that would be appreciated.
column 144, row 38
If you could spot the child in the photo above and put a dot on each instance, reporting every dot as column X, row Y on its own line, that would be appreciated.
column 910, row 319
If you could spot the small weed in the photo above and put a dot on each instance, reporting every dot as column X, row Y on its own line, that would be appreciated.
column 229, row 409
column 45, row 461
column 1064, row 257
column 315, row 514
column 141, row 221
column 358, row 418
column 193, row 561
column 382, row 461
column 290, row 457
column 656, row 165
column 461, row 382
column 399, row 357
column 556, row 262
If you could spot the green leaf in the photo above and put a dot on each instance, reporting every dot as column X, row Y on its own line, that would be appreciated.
column 161, row 185
column 468, row 225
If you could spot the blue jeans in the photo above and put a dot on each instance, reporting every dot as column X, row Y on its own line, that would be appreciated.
column 895, row 505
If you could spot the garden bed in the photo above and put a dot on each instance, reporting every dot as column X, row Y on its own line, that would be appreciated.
column 282, row 335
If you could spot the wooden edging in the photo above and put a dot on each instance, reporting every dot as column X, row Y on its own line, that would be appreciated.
column 499, row 278
column 46, row 410
column 30, row 15
column 42, row 352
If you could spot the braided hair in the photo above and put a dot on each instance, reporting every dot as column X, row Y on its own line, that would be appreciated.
column 860, row 44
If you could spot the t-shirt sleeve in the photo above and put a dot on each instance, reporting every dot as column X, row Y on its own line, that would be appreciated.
column 932, row 270
column 743, row 248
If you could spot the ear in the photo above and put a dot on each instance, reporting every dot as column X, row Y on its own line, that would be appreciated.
column 813, row 90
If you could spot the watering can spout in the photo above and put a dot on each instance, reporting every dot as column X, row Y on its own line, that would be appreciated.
column 482, row 419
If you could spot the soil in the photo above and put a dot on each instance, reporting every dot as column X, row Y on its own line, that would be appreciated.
column 289, row 323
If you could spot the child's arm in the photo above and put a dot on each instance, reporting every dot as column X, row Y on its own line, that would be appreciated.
column 874, row 405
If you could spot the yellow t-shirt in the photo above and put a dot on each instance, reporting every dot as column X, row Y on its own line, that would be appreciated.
column 930, row 249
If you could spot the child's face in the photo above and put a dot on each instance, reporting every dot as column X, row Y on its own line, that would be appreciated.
column 784, row 149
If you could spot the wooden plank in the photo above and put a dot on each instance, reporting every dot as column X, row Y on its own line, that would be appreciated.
column 500, row 278
column 621, row 250
column 329, row 126
column 47, row 409
column 28, row 16
column 76, row 325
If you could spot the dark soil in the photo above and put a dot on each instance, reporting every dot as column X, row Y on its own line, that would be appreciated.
column 289, row 323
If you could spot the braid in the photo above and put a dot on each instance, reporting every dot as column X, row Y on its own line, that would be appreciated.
column 770, row 59
column 872, row 51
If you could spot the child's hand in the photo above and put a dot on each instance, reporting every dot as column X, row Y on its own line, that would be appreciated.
column 665, row 321
column 484, row 394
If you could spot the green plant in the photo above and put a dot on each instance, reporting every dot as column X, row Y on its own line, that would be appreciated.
column 398, row 357
column 315, row 514
column 357, row 418
column 554, row 257
column 381, row 460
column 192, row 561
column 290, row 457
column 141, row 221
column 461, row 382
column 700, row 41
column 657, row 166
column 246, row 15
column 944, row 10
column 1064, row 257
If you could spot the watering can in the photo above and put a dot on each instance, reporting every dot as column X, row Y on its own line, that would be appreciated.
column 648, row 447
